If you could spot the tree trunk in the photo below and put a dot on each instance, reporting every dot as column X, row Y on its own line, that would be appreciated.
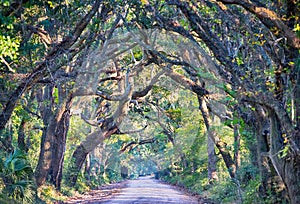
column 237, row 144
column 87, row 168
column 297, row 99
column 21, row 137
column 44, row 162
column 53, row 139
column 59, row 143
column 268, row 175
column 286, row 163
column 216, row 140
column 108, row 127
column 212, row 160
column 262, row 146
column 90, row 143
column 78, row 158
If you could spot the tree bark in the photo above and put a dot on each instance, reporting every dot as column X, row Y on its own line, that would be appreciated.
column 237, row 144
column 90, row 143
column 268, row 175
column 287, row 166
column 217, row 141
column 87, row 168
column 297, row 98
column 21, row 137
column 212, row 160
column 59, row 143
column 53, row 139
column 44, row 162
column 262, row 141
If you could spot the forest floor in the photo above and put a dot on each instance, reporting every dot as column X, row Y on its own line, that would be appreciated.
column 140, row 191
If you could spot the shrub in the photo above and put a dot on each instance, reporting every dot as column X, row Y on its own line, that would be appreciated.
column 17, row 177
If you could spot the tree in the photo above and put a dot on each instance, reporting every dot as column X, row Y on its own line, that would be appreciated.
column 238, row 59
column 251, row 85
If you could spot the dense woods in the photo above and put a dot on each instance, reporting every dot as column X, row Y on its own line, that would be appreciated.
column 204, row 94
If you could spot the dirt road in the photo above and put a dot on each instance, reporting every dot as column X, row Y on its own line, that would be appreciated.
column 144, row 190
column 148, row 190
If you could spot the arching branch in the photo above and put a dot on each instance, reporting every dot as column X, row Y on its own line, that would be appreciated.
column 145, row 91
column 132, row 131
column 187, row 83
column 46, row 65
column 118, row 97
column 269, row 18
column 135, row 143
column 90, row 122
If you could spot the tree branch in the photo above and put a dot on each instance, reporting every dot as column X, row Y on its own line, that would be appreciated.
column 187, row 83
column 90, row 122
column 145, row 91
column 40, row 32
column 46, row 66
column 111, row 78
column 132, row 131
column 166, row 131
column 119, row 97
column 141, row 142
column 30, row 112
column 269, row 18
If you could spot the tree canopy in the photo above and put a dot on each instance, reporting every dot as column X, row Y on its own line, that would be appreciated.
column 205, row 94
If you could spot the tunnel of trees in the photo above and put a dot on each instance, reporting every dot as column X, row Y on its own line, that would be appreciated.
column 203, row 93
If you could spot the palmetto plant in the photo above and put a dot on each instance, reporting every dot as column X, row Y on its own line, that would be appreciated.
column 16, row 174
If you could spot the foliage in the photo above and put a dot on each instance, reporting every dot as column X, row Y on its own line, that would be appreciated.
column 16, row 174
column 48, row 194
column 9, row 47
column 81, row 184
column 248, row 62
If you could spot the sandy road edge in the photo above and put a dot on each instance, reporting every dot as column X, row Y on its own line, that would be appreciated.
column 187, row 192
column 103, row 192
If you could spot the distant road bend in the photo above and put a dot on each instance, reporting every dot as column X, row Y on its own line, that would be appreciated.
column 148, row 190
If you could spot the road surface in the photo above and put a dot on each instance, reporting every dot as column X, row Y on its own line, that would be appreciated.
column 147, row 190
